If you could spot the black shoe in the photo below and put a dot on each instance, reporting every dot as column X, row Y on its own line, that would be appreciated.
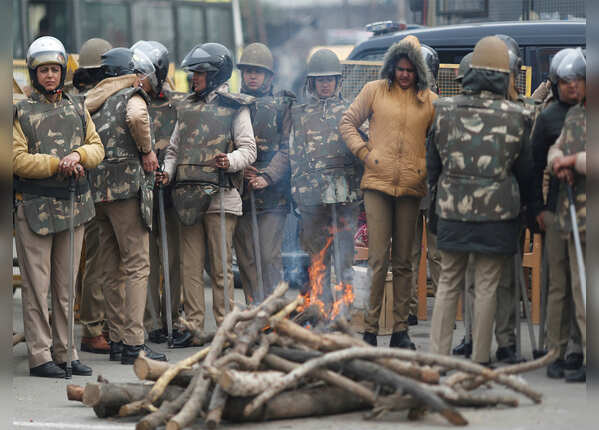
column 369, row 338
column 463, row 348
column 573, row 361
column 507, row 354
column 116, row 351
column 131, row 352
column 412, row 320
column 47, row 370
column 401, row 339
column 578, row 375
column 488, row 365
column 556, row 369
column 183, row 340
column 77, row 368
column 157, row 336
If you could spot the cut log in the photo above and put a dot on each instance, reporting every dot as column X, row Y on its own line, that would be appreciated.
column 147, row 369
column 75, row 392
column 305, row 402
column 110, row 397
column 243, row 384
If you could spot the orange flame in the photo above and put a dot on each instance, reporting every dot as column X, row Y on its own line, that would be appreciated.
column 317, row 270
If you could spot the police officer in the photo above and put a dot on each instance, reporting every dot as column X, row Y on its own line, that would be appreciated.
column 163, row 111
column 432, row 253
column 122, row 187
column 92, row 309
column 213, row 132
column 268, row 177
column 567, row 160
column 324, row 173
column 567, row 91
column 480, row 179
column 53, row 138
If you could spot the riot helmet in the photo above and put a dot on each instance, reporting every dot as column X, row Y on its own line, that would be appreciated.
column 212, row 58
column 46, row 50
column 90, row 54
column 513, row 51
column 324, row 62
column 158, row 55
column 257, row 55
column 118, row 62
column 572, row 66
column 464, row 66
column 491, row 53
column 432, row 59
column 557, row 58
column 144, row 68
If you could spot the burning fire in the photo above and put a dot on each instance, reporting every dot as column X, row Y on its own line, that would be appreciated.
column 344, row 293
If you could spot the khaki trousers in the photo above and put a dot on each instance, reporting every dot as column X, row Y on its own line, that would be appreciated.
column 391, row 221
column 315, row 232
column 199, row 241
column 487, row 272
column 560, row 314
column 93, row 307
column 270, row 235
column 155, row 303
column 44, row 264
column 124, row 243
column 579, row 307
column 433, row 258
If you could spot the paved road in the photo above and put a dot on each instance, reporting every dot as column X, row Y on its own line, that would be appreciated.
column 42, row 404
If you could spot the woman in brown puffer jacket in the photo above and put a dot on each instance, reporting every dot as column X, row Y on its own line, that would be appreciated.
column 399, row 107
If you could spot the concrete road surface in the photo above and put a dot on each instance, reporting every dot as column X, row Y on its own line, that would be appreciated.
column 42, row 404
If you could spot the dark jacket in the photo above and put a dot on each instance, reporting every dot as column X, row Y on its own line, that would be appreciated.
column 489, row 237
column 547, row 129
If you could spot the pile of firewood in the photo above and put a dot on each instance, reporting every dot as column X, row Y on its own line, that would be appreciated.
column 263, row 364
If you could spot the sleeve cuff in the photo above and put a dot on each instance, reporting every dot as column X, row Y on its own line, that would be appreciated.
column 362, row 153
column 82, row 154
column 54, row 165
column 581, row 163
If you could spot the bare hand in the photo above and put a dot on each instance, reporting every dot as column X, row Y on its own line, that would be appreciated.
column 221, row 161
column 565, row 174
column 162, row 178
column 258, row 183
column 66, row 166
column 150, row 161
column 541, row 220
column 250, row 173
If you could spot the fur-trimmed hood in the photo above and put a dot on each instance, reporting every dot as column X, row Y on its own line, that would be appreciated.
column 409, row 46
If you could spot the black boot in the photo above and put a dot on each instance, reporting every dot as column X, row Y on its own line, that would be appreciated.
column 464, row 348
column 412, row 319
column 131, row 352
column 507, row 354
column 579, row 375
column 573, row 361
column 77, row 367
column 369, row 338
column 157, row 336
column 116, row 351
column 556, row 369
column 401, row 339
column 47, row 370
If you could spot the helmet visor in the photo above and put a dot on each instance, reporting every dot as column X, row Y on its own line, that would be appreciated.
column 572, row 66
column 198, row 60
column 144, row 67
column 40, row 58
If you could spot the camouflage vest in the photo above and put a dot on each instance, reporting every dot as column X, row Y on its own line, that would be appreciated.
column 574, row 135
column 205, row 129
column 121, row 176
column 267, row 121
column 56, row 129
column 323, row 169
column 479, row 137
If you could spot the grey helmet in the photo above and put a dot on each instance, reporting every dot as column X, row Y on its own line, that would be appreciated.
column 324, row 62
column 464, row 66
column 432, row 59
column 158, row 55
column 572, row 66
column 257, row 55
column 555, row 62
column 46, row 50
column 90, row 54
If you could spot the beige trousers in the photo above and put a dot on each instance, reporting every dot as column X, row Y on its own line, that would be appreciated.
column 44, row 264
column 93, row 307
column 199, row 241
column 579, row 307
column 433, row 259
column 487, row 272
column 155, row 305
column 391, row 222
column 124, row 243
column 270, row 235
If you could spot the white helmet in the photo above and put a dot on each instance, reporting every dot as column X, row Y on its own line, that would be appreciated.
column 46, row 50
